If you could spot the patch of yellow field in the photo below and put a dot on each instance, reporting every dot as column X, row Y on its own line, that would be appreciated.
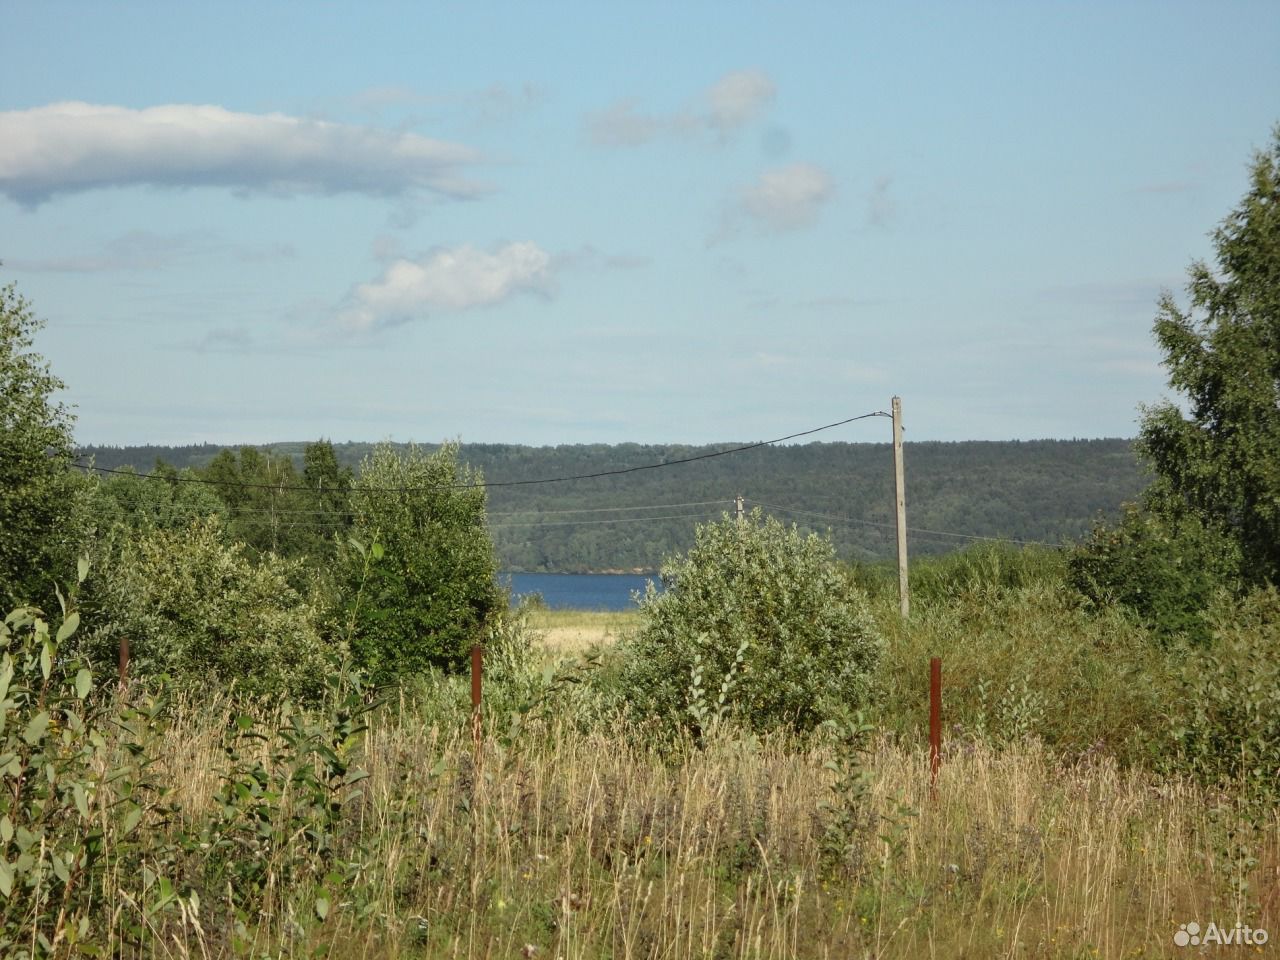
column 575, row 631
column 575, row 639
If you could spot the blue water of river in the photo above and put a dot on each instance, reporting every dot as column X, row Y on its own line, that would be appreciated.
column 579, row 591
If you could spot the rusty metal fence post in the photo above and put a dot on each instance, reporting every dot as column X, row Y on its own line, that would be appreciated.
column 124, row 662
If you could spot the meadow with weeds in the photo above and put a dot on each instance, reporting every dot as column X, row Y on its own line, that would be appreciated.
column 1069, row 819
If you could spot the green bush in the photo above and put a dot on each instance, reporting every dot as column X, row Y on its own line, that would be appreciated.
column 416, row 587
column 1024, row 661
column 1166, row 571
column 1226, row 723
column 756, row 623
column 78, row 800
column 199, row 609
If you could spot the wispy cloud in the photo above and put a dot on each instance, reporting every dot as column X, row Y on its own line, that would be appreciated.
column 590, row 257
column 737, row 98
column 1142, row 292
column 144, row 250
column 446, row 280
column 779, row 200
column 224, row 340
column 789, row 197
column 726, row 106
column 494, row 103
column 71, row 147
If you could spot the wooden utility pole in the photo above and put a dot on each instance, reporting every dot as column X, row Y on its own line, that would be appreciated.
column 741, row 514
column 900, row 500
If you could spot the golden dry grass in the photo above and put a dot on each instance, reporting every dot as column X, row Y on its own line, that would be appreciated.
column 571, row 632
column 588, row 845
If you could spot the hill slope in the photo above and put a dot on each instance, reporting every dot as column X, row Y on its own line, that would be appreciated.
column 1042, row 490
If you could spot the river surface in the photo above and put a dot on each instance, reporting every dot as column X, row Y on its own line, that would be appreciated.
column 579, row 591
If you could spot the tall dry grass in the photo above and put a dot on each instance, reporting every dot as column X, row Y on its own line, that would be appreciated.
column 563, row 843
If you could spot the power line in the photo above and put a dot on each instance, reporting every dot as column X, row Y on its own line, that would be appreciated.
column 261, row 516
column 579, row 523
column 656, row 506
column 822, row 516
column 260, row 511
column 490, row 483
column 918, row 531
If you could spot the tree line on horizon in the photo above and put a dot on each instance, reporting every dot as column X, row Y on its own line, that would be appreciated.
column 1048, row 491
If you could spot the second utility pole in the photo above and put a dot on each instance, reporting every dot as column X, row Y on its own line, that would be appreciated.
column 900, row 500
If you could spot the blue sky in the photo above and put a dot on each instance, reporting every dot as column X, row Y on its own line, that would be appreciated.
column 566, row 223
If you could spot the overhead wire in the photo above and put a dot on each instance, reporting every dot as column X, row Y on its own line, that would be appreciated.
column 88, row 468
column 915, row 531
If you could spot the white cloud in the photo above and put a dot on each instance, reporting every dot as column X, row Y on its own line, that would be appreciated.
column 622, row 126
column 729, row 104
column 71, row 147
column 447, row 280
column 738, row 98
column 787, row 198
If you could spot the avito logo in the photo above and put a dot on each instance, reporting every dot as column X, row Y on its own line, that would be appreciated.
column 1191, row 935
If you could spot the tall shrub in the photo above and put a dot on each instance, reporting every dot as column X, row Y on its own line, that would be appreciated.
column 200, row 609
column 755, row 622
column 428, row 591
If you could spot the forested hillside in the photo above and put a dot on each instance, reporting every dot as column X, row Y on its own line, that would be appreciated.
column 1043, row 490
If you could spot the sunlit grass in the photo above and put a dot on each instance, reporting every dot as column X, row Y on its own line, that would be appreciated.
column 576, row 631
column 569, row 844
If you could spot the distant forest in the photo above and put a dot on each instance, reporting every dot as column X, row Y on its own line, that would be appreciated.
column 1043, row 490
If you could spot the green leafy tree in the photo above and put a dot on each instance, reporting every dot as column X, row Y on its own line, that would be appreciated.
column 328, row 500
column 200, row 609
column 431, row 592
column 40, row 501
column 273, row 509
column 1221, row 460
column 127, row 503
column 263, row 495
column 1163, row 568
column 1211, row 517
column 756, row 622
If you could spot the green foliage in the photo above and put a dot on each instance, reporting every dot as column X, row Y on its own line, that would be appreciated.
column 1021, row 658
column 1227, row 719
column 77, row 794
column 431, row 593
column 1047, row 490
column 937, row 579
column 755, row 623
column 274, row 509
column 1165, row 569
column 279, row 818
column 198, row 608
column 38, row 509
column 849, row 811
column 1221, row 462
column 123, row 505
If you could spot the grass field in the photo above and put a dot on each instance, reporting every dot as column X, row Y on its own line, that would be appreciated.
column 575, row 631
column 565, row 844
